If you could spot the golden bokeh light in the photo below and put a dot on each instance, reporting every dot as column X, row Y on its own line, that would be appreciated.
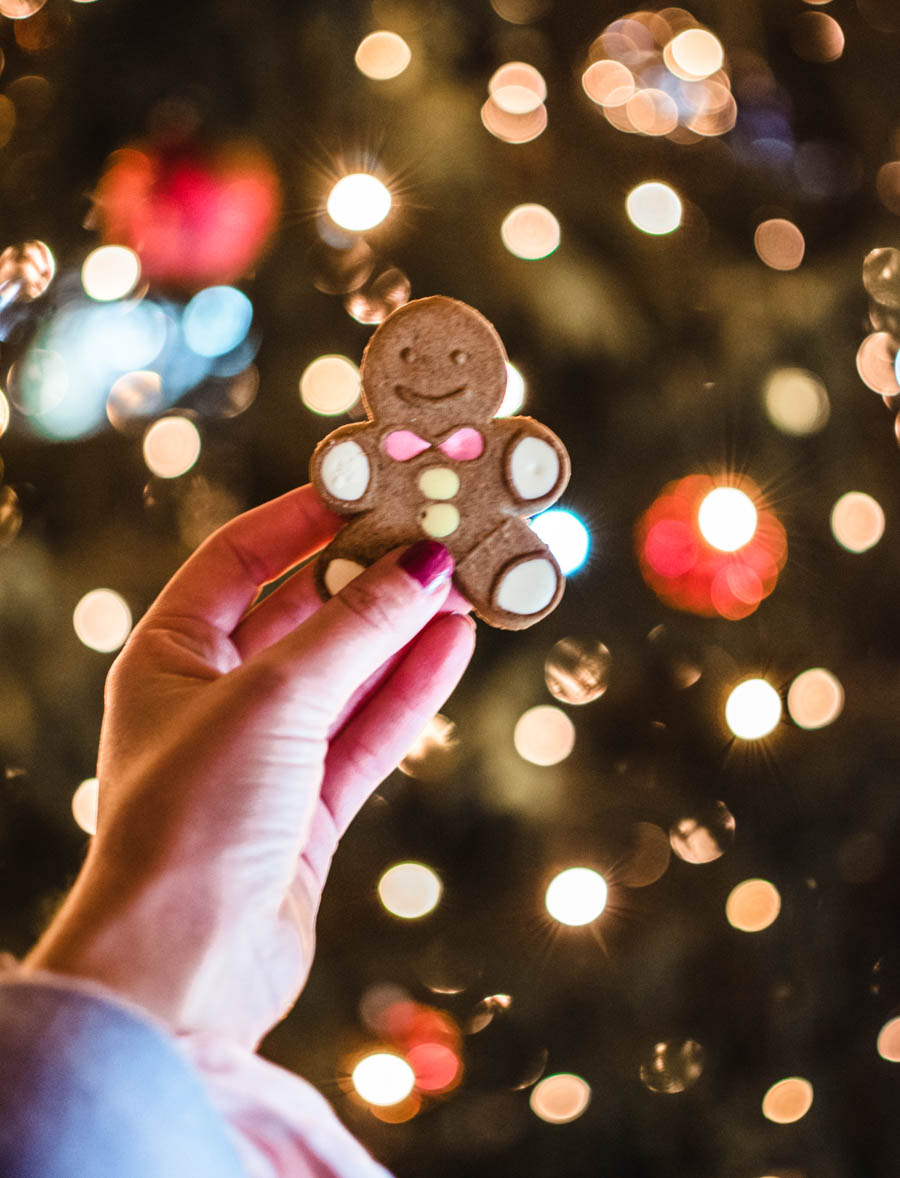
column 876, row 363
column 857, row 521
column 358, row 202
column 796, row 401
column 85, row 802
column 409, row 890
column 382, row 55
column 4, row 414
column 102, row 620
column 673, row 1066
column 648, row 857
column 654, row 208
column 10, row 516
column 110, row 272
column 887, row 185
column 815, row 698
column 576, row 670
column 530, row 231
column 576, row 896
column 435, row 752
column 779, row 243
column 753, row 709
column 608, row 83
column 383, row 1078
column 134, row 397
column 817, row 37
column 788, row 1101
column 31, row 264
column 703, row 838
column 888, row 1043
column 513, row 128
column 881, row 276
column 20, row 9
column 753, row 905
column 560, row 1099
column 171, row 447
column 514, row 397
column 544, row 735
column 375, row 299
column 652, row 112
column 727, row 518
column 330, row 385
column 517, row 88
column 694, row 54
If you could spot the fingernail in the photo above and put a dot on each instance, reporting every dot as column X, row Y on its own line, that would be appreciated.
column 429, row 563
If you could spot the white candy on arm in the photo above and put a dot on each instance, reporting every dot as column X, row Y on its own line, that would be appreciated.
column 533, row 468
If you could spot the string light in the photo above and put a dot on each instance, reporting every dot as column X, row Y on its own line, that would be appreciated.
column 383, row 1078
column 753, row 709
column 727, row 519
column 359, row 202
column 576, row 896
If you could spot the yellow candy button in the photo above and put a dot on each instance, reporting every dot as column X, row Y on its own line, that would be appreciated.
column 440, row 519
column 440, row 482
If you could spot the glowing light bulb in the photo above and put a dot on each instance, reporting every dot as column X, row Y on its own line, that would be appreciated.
column 110, row 272
column 85, row 802
column 753, row 709
column 330, row 385
column 383, row 1078
column 409, row 890
column 753, row 905
column 171, row 447
column 788, row 1101
column 102, row 620
column 514, row 395
column 576, row 896
column 566, row 537
column 727, row 519
column 358, row 202
column 559, row 1099
column 654, row 208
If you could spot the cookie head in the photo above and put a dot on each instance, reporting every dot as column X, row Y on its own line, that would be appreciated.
column 434, row 359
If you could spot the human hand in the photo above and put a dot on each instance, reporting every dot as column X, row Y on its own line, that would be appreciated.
column 236, row 748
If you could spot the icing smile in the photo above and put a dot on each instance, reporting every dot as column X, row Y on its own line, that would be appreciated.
column 412, row 397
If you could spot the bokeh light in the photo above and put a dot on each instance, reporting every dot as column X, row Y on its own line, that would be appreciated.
column 566, row 537
column 654, row 208
column 10, row 516
column 110, row 272
column 673, row 1066
column 544, row 735
column 753, row 709
column 102, row 620
column 753, row 905
column 330, row 385
column 817, row 37
column 26, row 270
column 888, row 1042
column 796, row 401
column 383, row 1078
column 171, row 447
column 647, row 858
column 20, row 9
column 382, row 55
column 788, row 1101
column 576, row 670
column 815, row 698
column 779, row 243
column 217, row 320
column 695, row 54
column 560, row 1098
column 705, row 836
column 384, row 292
column 409, row 890
column 514, row 397
column 887, row 185
column 435, row 752
column 358, row 202
column 857, row 521
column 517, row 88
column 4, row 414
column 530, row 231
column 727, row 518
column 608, row 83
column 576, row 896
column 133, row 398
column 881, row 276
column 876, row 363
column 513, row 128
column 85, row 803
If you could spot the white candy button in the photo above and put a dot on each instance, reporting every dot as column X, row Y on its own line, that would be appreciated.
column 345, row 471
column 527, row 587
column 534, row 468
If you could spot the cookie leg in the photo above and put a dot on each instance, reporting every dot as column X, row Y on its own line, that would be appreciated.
column 357, row 545
column 511, row 577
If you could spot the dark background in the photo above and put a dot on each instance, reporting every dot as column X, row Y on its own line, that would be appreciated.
column 647, row 356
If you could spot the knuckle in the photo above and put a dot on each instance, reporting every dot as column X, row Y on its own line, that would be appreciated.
column 374, row 606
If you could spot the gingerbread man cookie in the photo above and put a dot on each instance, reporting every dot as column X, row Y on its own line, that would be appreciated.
column 433, row 461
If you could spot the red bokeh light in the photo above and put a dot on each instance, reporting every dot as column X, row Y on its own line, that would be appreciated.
column 194, row 218
column 688, row 573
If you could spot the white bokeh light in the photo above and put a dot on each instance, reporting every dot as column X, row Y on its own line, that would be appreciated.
column 110, row 272
column 727, row 519
column 102, row 620
column 544, row 735
column 409, row 890
column 358, row 202
column 576, row 896
column 753, row 709
column 171, row 447
column 85, row 801
column 383, row 1079
column 330, row 385
column 514, row 396
column 566, row 537
column 560, row 1099
column 654, row 208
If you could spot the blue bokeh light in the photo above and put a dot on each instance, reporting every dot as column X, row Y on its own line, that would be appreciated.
column 217, row 320
column 566, row 537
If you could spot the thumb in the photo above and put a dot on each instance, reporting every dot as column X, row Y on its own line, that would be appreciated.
column 332, row 654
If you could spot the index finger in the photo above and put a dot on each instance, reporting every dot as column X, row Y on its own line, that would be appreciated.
column 221, row 580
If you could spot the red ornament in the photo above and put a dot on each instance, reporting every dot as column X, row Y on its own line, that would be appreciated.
column 687, row 572
column 194, row 218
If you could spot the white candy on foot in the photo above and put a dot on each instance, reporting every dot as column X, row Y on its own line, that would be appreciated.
column 528, row 587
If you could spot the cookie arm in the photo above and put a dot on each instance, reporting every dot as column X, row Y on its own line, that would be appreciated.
column 535, row 463
column 343, row 468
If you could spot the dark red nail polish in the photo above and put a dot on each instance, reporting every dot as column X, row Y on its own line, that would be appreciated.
column 427, row 562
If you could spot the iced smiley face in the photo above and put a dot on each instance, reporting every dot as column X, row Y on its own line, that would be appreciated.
column 434, row 356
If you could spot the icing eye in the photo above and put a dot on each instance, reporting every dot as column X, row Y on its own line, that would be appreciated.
column 459, row 357
column 408, row 356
